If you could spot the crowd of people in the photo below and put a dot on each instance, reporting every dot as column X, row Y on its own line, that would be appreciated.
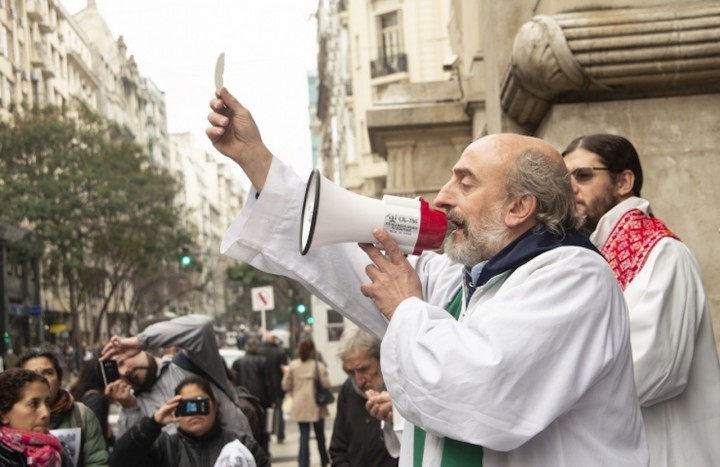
column 181, row 356
column 169, row 364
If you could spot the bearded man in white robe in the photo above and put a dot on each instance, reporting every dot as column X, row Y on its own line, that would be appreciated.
column 676, row 366
column 511, row 349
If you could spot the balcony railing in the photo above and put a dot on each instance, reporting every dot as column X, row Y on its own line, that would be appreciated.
column 388, row 65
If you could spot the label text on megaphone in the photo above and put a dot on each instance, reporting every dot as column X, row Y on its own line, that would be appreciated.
column 397, row 224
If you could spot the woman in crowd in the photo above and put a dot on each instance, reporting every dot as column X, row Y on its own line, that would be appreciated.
column 90, row 390
column 24, row 419
column 200, row 439
column 65, row 412
column 299, row 381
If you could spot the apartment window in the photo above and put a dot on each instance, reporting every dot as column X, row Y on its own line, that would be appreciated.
column 391, row 57
column 335, row 325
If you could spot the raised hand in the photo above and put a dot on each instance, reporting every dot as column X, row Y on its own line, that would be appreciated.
column 235, row 134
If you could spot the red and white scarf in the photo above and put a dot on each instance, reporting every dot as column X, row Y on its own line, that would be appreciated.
column 629, row 244
column 39, row 449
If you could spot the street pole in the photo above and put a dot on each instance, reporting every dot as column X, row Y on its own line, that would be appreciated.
column 291, row 323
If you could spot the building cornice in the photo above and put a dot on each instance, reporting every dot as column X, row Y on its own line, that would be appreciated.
column 392, row 122
column 612, row 54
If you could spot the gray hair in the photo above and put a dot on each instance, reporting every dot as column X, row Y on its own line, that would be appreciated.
column 534, row 173
column 355, row 339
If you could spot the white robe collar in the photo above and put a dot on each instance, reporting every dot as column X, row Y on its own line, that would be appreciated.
column 609, row 219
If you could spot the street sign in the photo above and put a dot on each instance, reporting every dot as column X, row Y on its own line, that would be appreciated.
column 16, row 309
column 263, row 298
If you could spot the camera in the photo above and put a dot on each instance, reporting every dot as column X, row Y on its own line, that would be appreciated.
column 196, row 406
column 110, row 371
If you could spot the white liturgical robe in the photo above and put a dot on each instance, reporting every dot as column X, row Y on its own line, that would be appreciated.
column 538, row 369
column 677, row 373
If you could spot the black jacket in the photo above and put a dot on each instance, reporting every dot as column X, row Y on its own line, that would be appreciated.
column 276, row 357
column 357, row 438
column 146, row 445
column 251, row 373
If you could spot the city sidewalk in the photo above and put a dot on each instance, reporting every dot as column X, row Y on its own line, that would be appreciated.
column 285, row 454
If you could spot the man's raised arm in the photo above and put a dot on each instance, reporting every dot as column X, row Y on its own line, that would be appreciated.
column 235, row 134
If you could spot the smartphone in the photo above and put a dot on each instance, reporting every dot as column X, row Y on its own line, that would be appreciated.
column 196, row 406
column 110, row 371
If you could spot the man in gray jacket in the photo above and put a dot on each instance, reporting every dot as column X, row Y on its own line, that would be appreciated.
column 147, row 382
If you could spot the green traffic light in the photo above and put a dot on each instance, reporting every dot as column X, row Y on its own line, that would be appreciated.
column 301, row 308
column 310, row 320
column 185, row 258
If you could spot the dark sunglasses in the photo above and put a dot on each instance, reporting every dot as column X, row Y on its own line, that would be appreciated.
column 585, row 174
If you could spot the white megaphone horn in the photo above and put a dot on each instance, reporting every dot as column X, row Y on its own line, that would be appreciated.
column 331, row 214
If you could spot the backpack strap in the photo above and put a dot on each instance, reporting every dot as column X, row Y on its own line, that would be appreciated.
column 77, row 416
column 77, row 420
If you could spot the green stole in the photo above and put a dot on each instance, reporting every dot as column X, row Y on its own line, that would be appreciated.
column 455, row 453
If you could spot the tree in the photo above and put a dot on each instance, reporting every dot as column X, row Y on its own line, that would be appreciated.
column 103, row 217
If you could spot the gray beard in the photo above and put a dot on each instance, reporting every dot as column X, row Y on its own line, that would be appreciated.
column 481, row 242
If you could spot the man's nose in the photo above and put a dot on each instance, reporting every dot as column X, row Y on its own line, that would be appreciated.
column 442, row 200
column 575, row 186
column 360, row 382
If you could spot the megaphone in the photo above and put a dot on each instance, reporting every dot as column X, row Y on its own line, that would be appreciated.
column 331, row 214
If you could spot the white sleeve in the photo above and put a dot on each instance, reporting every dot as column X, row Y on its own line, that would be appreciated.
column 666, row 302
column 266, row 235
column 392, row 433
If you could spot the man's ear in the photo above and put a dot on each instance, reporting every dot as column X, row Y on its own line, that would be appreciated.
column 520, row 209
column 624, row 182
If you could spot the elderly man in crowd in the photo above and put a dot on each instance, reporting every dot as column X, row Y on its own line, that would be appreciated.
column 357, row 439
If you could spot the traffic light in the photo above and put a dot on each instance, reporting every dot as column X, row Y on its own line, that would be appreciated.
column 6, row 337
column 301, row 308
column 185, row 258
column 310, row 320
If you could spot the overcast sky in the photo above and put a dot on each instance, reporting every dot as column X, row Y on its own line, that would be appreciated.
column 269, row 47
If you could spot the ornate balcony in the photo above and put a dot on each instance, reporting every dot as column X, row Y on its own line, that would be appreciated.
column 388, row 65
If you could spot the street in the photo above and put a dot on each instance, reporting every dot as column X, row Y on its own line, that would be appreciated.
column 285, row 454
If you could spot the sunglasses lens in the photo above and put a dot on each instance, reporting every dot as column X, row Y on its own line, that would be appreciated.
column 584, row 174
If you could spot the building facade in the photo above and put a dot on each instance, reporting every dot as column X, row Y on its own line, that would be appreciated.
column 555, row 69
column 48, row 56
